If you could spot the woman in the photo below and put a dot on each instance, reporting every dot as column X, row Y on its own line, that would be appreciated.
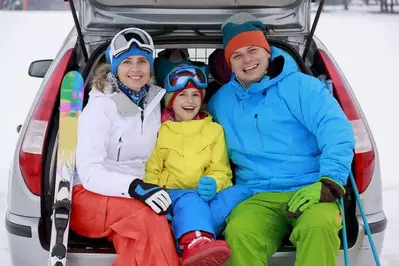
column 116, row 135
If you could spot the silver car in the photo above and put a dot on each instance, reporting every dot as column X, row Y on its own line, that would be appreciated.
column 173, row 24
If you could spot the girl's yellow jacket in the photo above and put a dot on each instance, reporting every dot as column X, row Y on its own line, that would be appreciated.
column 186, row 151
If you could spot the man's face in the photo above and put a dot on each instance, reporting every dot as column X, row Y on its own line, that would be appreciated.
column 250, row 63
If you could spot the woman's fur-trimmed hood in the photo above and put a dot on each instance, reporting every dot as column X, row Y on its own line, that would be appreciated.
column 100, row 80
column 102, row 83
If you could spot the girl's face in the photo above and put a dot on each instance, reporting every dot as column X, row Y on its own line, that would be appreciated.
column 134, row 72
column 187, row 104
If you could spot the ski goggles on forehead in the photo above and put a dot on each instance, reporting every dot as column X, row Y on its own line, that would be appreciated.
column 178, row 78
column 125, row 38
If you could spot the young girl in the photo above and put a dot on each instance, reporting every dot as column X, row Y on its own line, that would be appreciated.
column 117, row 133
column 190, row 160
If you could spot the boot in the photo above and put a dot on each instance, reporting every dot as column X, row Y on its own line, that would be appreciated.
column 199, row 249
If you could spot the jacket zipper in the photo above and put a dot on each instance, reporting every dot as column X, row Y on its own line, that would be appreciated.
column 142, row 121
column 119, row 149
column 258, row 129
column 147, row 102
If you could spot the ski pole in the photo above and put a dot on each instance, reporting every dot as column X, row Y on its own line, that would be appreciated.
column 344, row 235
column 366, row 225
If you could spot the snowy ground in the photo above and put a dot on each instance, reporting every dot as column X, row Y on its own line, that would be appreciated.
column 24, row 38
column 365, row 45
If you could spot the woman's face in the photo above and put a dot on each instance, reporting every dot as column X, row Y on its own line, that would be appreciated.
column 134, row 72
column 187, row 104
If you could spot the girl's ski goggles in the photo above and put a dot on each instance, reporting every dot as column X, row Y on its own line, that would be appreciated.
column 178, row 78
column 125, row 38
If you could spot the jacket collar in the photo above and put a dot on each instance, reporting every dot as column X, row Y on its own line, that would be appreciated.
column 187, row 127
column 127, row 108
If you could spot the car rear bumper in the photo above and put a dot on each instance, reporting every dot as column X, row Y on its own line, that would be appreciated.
column 378, row 227
column 25, row 247
column 359, row 255
column 23, row 239
column 26, row 230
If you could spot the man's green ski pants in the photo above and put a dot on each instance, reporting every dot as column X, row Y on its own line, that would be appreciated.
column 256, row 228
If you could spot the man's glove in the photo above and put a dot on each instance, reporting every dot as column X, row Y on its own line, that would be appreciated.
column 324, row 190
column 206, row 188
column 152, row 195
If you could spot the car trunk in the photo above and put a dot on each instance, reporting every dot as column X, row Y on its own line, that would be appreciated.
column 100, row 20
column 288, row 17
column 85, row 245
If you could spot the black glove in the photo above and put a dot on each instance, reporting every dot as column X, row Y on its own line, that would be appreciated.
column 152, row 195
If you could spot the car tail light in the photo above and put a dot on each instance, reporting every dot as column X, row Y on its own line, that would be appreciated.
column 31, row 153
column 363, row 162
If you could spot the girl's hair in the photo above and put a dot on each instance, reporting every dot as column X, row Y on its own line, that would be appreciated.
column 202, row 111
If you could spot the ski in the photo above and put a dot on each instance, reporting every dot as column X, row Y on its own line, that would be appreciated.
column 71, row 101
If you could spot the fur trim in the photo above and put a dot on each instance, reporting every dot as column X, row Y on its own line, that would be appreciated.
column 101, row 82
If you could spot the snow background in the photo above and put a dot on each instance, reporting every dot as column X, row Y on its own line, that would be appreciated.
column 365, row 44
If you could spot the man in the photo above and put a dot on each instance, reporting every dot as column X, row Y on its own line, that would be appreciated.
column 292, row 145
